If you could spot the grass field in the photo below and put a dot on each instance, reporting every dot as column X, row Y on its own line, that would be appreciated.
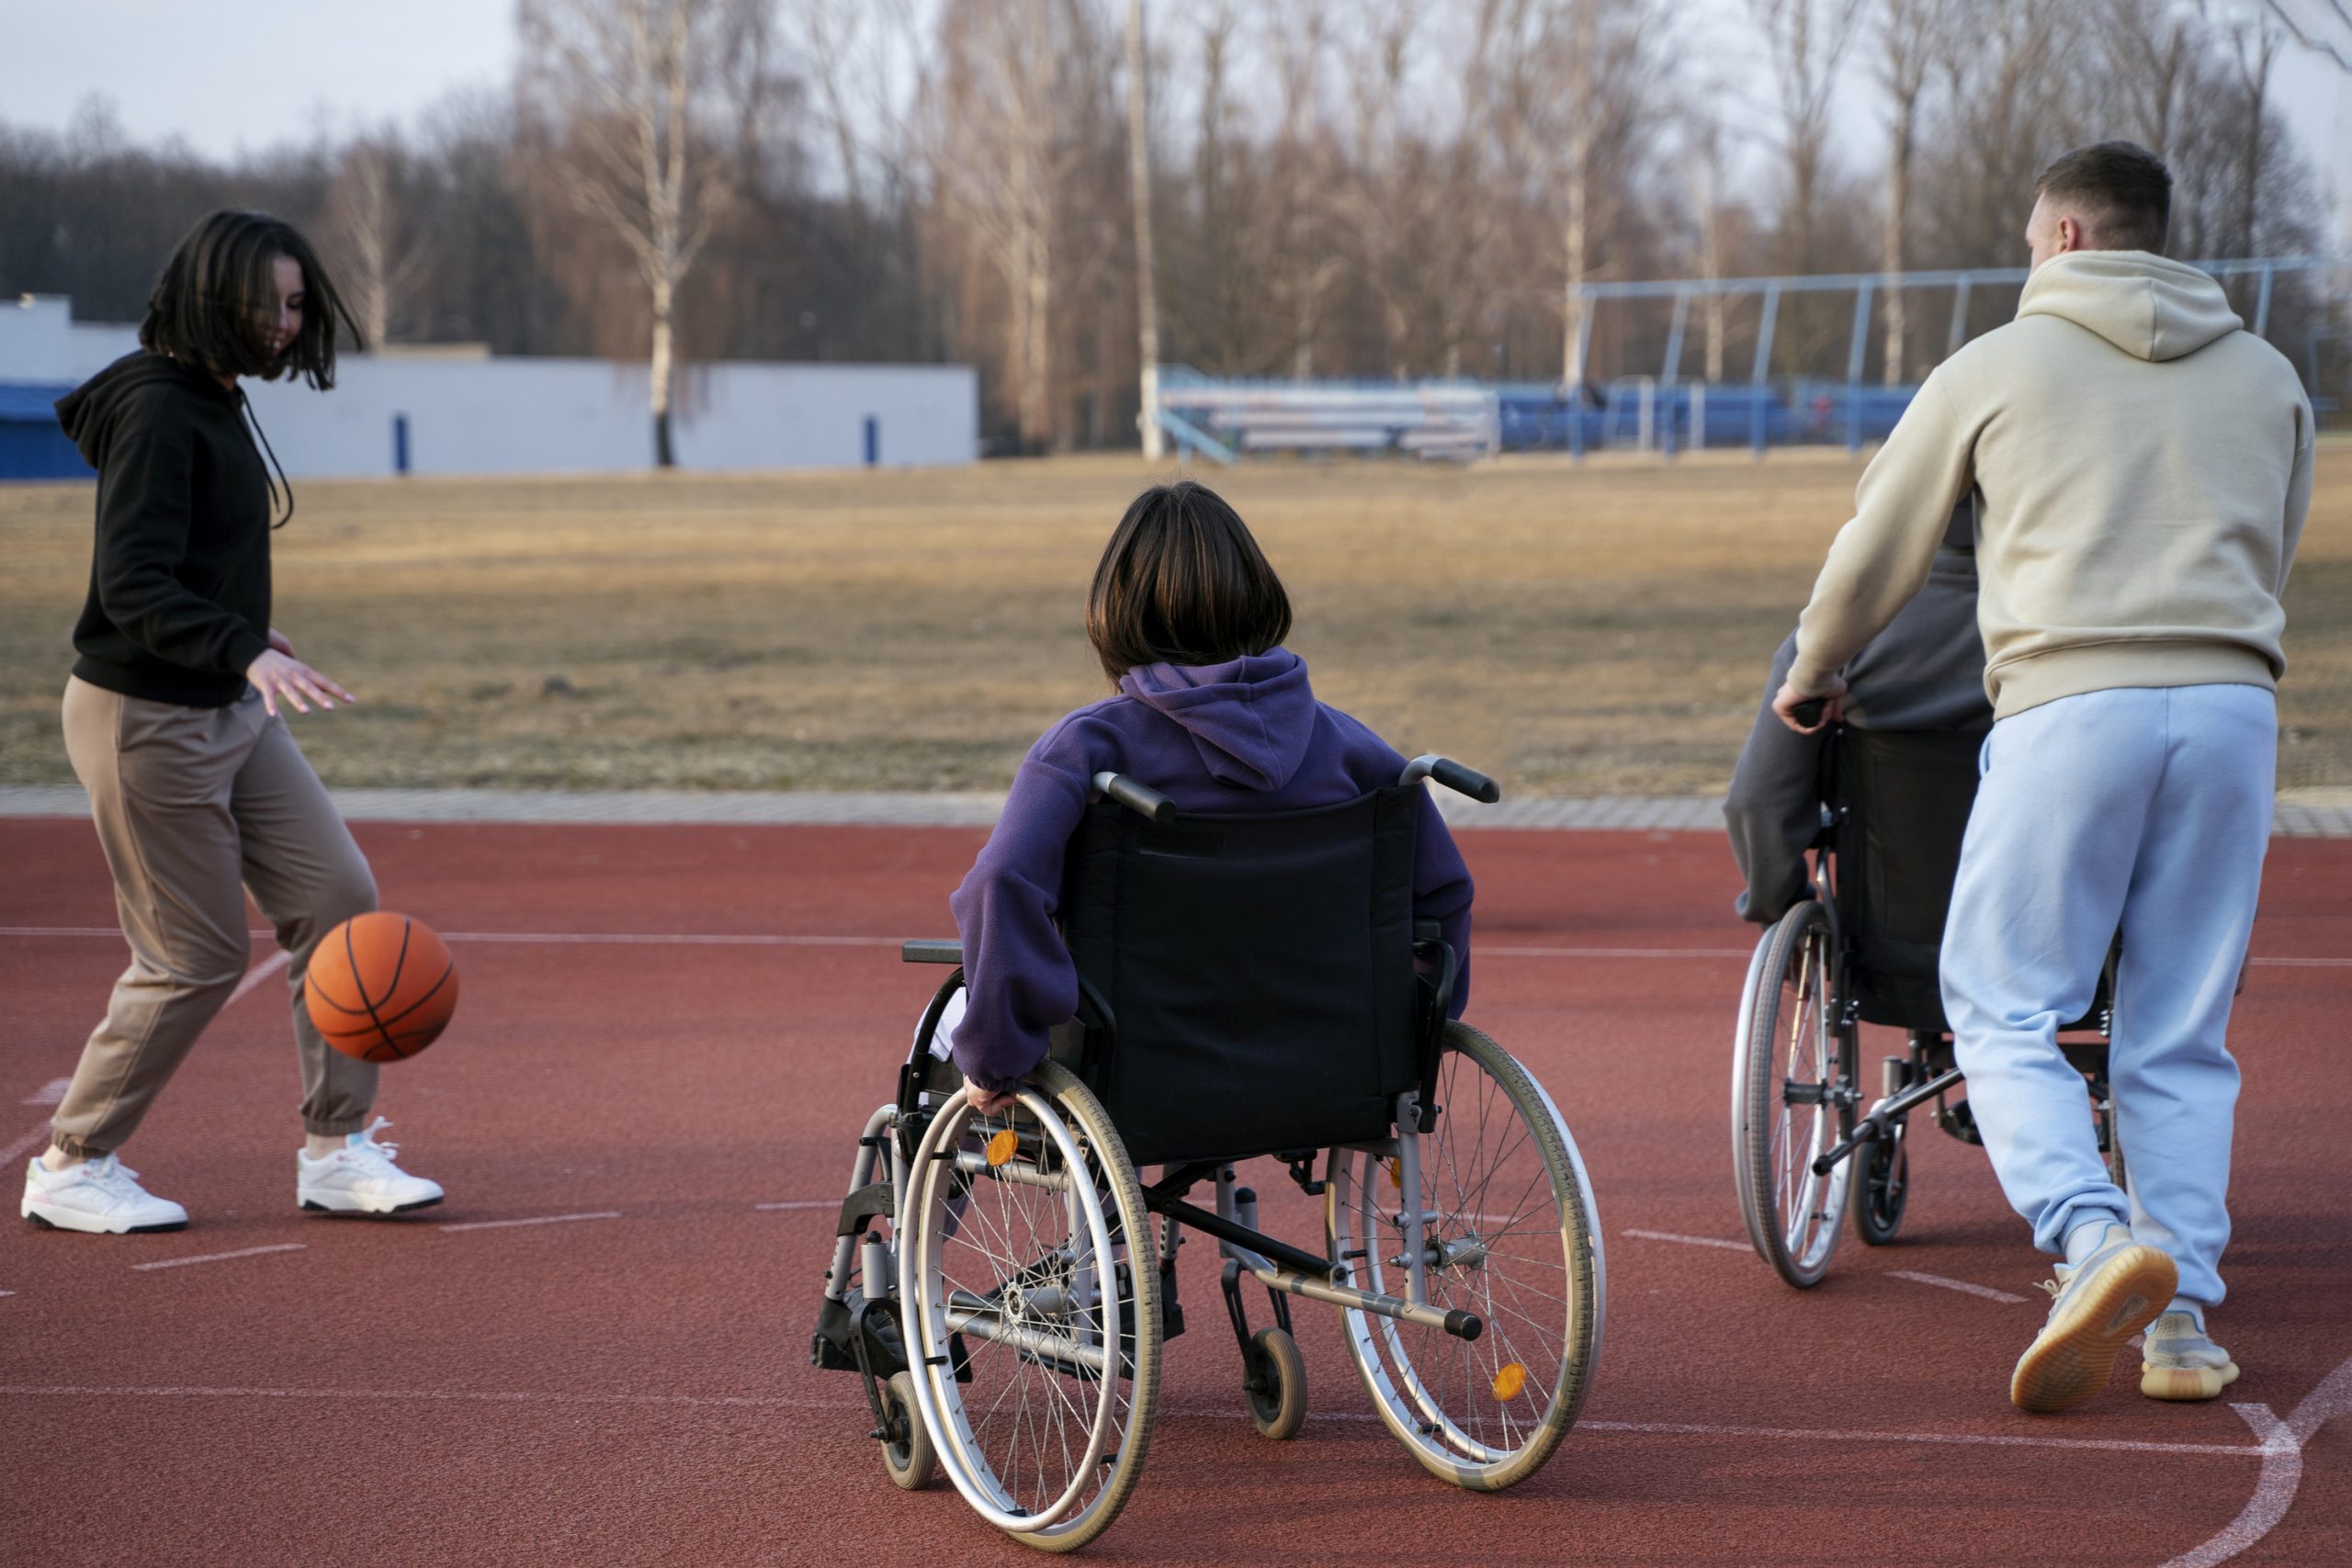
column 1593, row 631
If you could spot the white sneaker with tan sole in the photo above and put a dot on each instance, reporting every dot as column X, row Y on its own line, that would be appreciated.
column 361, row 1178
column 2097, row 1306
column 2179, row 1362
column 98, row 1197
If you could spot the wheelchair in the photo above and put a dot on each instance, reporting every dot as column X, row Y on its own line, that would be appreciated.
column 1251, row 987
column 1864, row 948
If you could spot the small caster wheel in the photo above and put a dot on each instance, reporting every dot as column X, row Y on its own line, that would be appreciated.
column 912, row 1462
column 1883, row 1186
column 1277, row 1385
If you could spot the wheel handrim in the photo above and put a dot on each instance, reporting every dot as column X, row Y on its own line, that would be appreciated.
column 1029, row 1276
column 1501, row 1204
column 1806, row 1208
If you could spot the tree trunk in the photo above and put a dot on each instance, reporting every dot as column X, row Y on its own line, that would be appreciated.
column 1898, row 212
column 1139, row 182
column 664, row 458
column 1576, row 237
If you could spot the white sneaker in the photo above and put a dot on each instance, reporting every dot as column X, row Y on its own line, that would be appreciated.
column 98, row 1197
column 360, row 1178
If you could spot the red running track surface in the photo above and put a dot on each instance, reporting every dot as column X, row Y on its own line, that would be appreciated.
column 636, row 1389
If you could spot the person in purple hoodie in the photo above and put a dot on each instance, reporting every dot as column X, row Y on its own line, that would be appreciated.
column 1188, row 619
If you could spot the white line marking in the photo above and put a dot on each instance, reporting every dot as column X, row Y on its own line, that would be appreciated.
column 7, row 1293
column 803, row 1203
column 1987, row 1291
column 258, row 973
column 50, row 1093
column 1964, row 1439
column 540, row 1220
column 222, row 1256
column 1689, row 1240
column 39, row 1136
column 1658, row 1428
column 2274, row 1491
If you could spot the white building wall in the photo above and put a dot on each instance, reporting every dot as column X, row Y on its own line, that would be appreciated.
column 511, row 416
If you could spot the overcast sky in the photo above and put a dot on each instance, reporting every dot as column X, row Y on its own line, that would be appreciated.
column 227, row 76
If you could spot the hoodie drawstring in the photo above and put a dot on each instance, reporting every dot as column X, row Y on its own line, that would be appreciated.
column 280, row 487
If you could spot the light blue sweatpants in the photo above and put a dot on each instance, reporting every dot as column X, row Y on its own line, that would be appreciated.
column 2145, row 810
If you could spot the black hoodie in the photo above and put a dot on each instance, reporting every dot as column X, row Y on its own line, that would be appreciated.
column 179, row 582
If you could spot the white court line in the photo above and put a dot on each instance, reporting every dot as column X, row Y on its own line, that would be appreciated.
column 10, row 1150
column 790, row 938
column 54, row 1092
column 803, row 1203
column 1654, row 1428
column 1987, row 1291
column 1689, row 1240
column 222, row 1256
column 541, row 1220
column 258, row 973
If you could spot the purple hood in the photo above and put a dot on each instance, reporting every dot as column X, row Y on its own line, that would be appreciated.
column 1250, row 719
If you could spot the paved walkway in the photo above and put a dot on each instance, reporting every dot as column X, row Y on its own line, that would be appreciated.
column 2313, row 814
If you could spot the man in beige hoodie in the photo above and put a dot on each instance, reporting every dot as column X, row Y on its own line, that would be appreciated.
column 2143, row 466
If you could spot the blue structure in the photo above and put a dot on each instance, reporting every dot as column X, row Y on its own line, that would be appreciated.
column 31, row 445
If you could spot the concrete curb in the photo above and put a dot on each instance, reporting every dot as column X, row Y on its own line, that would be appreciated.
column 2294, row 819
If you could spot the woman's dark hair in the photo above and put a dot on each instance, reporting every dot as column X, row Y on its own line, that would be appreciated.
column 2124, row 191
column 1182, row 582
column 209, row 306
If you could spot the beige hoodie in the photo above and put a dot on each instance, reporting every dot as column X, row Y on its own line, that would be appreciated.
column 2145, row 466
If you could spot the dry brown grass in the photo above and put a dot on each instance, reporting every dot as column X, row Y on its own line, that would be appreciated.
column 1581, row 631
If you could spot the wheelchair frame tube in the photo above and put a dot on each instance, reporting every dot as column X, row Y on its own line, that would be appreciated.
column 985, row 1323
column 861, row 1174
column 1874, row 1125
column 1461, row 1324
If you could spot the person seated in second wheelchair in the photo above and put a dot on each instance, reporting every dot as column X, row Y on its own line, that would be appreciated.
column 1188, row 619
column 1924, row 671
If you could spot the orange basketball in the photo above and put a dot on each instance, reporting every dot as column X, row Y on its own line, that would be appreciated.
column 380, row 987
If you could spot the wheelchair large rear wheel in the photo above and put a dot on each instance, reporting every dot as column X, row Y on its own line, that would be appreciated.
column 1510, row 1234
column 1792, row 1096
column 1032, row 1300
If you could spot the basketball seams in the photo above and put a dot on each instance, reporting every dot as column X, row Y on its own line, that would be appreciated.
column 431, row 991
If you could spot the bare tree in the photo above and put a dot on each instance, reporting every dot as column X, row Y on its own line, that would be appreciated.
column 383, row 258
column 2255, row 39
column 1911, row 39
column 1806, row 40
column 2153, row 47
column 1139, row 185
column 638, row 102
column 1021, row 84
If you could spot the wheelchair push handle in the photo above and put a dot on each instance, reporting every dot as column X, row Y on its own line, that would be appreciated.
column 1141, row 799
column 1808, row 712
column 1453, row 776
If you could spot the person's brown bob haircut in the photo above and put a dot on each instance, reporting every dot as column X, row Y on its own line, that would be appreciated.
column 211, row 305
column 2122, row 192
column 1182, row 582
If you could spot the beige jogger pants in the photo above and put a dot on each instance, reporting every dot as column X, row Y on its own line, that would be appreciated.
column 195, row 807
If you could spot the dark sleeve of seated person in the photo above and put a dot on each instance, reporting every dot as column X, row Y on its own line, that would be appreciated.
column 1924, row 671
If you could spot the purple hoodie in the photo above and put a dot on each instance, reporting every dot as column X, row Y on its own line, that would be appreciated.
column 1243, row 736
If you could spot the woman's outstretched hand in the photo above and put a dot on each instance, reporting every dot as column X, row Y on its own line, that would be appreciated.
column 277, row 674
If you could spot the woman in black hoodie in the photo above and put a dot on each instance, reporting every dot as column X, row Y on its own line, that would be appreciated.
column 197, row 790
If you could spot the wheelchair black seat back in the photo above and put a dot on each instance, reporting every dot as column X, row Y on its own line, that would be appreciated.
column 1899, row 802
column 1865, row 948
column 1004, row 1281
column 1256, row 975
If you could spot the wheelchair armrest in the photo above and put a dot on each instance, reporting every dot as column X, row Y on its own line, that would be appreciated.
column 933, row 950
column 1453, row 776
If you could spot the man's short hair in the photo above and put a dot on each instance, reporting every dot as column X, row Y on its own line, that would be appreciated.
column 2122, row 192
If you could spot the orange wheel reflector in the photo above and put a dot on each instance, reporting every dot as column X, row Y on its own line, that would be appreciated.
column 1509, row 1381
column 1000, row 1147
column 1395, row 1169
